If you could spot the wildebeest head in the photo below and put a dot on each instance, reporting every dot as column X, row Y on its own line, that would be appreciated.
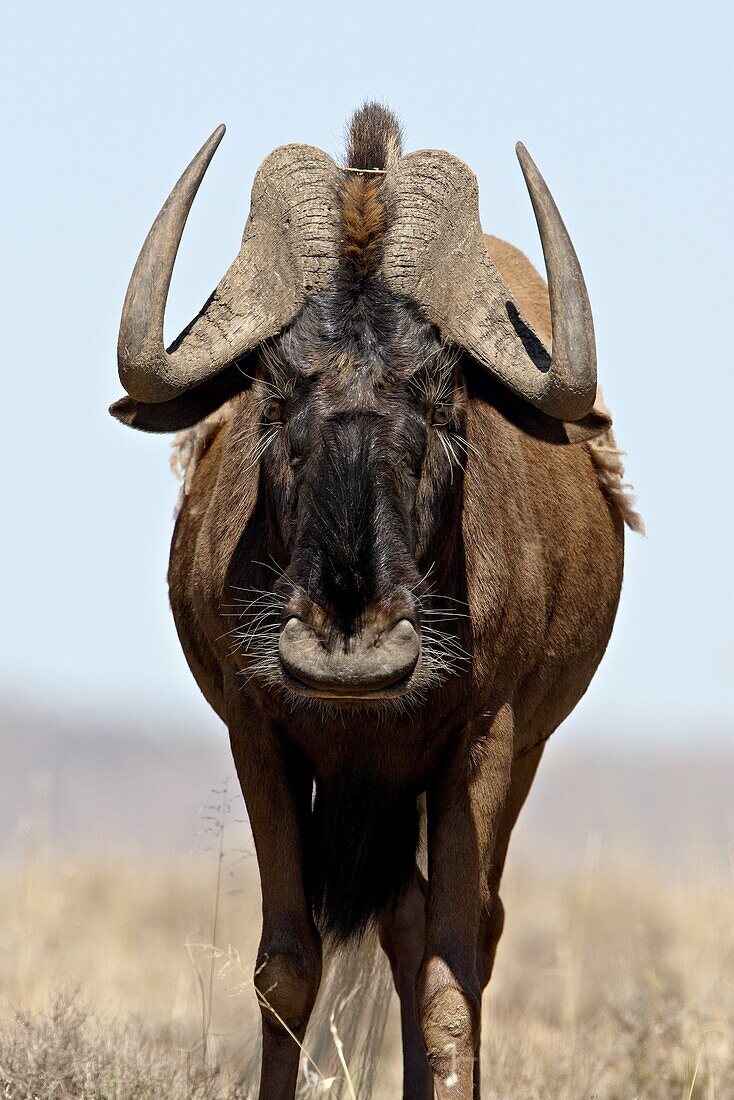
column 362, row 288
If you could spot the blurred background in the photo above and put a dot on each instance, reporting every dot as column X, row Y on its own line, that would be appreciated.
column 617, row 966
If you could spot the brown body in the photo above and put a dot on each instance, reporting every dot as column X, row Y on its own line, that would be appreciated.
column 543, row 552
column 536, row 551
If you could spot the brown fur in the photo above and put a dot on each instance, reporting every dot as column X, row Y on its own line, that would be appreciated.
column 364, row 220
column 524, row 280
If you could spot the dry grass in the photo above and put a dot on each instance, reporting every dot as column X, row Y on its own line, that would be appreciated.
column 608, row 984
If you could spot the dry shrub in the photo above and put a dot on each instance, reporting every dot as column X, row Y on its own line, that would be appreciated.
column 68, row 1053
column 614, row 985
column 611, row 984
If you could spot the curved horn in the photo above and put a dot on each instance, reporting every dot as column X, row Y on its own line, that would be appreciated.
column 573, row 368
column 289, row 249
column 435, row 253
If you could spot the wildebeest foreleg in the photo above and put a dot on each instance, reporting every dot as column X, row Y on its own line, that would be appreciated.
column 402, row 935
column 521, row 780
column 277, row 791
column 523, row 774
column 465, row 806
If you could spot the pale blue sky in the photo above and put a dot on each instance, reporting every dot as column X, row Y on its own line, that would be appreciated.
column 627, row 108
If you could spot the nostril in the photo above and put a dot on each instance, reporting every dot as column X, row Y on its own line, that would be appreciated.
column 297, row 636
column 403, row 632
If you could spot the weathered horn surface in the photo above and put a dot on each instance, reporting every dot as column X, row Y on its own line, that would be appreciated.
column 435, row 253
column 289, row 249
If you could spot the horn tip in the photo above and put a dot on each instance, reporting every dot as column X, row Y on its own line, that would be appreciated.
column 528, row 166
column 522, row 154
column 211, row 144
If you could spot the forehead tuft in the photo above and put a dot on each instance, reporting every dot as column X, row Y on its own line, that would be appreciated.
column 364, row 220
column 375, row 141
column 356, row 333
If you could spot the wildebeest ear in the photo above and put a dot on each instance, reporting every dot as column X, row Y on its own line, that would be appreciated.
column 185, row 410
column 547, row 428
column 591, row 427
column 536, row 423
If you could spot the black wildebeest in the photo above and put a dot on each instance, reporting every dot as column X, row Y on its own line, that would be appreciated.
column 406, row 487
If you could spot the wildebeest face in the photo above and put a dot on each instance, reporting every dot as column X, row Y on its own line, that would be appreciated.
column 362, row 445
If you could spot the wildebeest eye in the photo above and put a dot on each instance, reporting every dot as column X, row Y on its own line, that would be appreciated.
column 273, row 411
column 441, row 415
